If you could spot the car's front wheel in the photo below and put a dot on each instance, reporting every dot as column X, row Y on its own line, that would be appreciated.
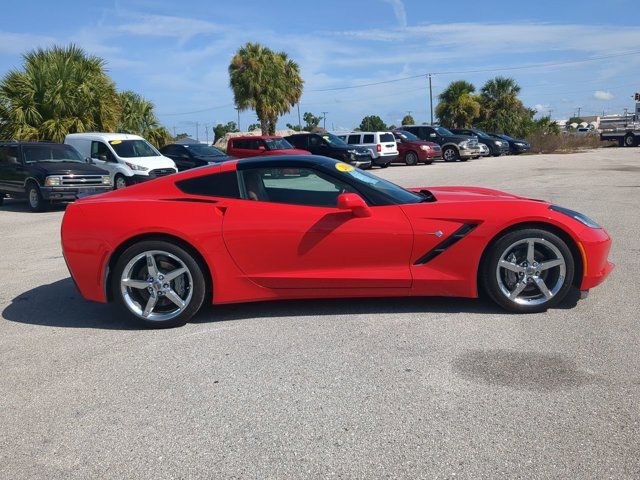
column 450, row 154
column 411, row 158
column 528, row 270
column 630, row 140
column 119, row 182
column 34, row 198
column 158, row 283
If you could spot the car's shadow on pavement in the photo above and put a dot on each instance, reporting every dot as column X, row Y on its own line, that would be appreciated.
column 59, row 304
column 19, row 205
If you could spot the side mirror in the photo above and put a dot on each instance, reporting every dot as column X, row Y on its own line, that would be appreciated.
column 355, row 203
column 100, row 157
column 398, row 140
column 432, row 135
column 261, row 148
column 89, row 160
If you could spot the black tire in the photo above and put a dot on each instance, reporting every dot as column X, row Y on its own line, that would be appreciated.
column 119, row 182
column 489, row 273
column 1, row 199
column 385, row 165
column 195, row 269
column 34, row 198
column 629, row 140
column 428, row 162
column 450, row 154
column 410, row 158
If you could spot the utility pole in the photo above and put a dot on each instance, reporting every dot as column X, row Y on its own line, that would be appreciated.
column 206, row 129
column 579, row 109
column 299, row 122
column 238, row 125
column 174, row 131
column 324, row 120
column 197, row 131
column 430, row 98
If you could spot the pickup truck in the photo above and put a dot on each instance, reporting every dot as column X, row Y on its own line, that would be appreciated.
column 47, row 172
column 623, row 129
column 454, row 147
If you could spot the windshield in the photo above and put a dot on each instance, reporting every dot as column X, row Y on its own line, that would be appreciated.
column 390, row 190
column 205, row 150
column 480, row 133
column 404, row 135
column 277, row 144
column 333, row 140
column 51, row 153
column 443, row 131
column 133, row 148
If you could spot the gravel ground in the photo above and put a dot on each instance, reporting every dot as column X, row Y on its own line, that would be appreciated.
column 429, row 388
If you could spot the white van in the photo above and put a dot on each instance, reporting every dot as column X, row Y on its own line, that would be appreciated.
column 382, row 145
column 129, row 159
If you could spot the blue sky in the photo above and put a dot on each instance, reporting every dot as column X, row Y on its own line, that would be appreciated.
column 177, row 53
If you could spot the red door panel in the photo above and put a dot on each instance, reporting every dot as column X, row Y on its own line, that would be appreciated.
column 293, row 246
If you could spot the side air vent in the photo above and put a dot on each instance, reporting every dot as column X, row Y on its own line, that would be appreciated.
column 458, row 235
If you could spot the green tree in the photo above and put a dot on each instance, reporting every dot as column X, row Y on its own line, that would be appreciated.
column 372, row 123
column 221, row 130
column 268, row 82
column 59, row 90
column 502, row 110
column 311, row 122
column 408, row 120
column 252, row 127
column 458, row 107
column 137, row 117
column 180, row 136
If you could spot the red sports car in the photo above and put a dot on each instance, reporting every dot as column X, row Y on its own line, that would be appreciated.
column 312, row 227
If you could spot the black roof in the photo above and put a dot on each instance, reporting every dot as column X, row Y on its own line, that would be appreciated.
column 21, row 142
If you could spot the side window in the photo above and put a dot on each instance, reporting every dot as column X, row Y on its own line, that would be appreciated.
column 99, row 149
column 354, row 139
column 368, row 138
column 314, row 141
column 297, row 186
column 8, row 155
column 223, row 184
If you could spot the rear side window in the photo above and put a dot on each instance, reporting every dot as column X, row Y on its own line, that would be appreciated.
column 8, row 155
column 247, row 144
column 368, row 138
column 387, row 137
column 223, row 184
column 354, row 139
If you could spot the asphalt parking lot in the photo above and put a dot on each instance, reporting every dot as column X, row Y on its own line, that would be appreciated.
column 429, row 388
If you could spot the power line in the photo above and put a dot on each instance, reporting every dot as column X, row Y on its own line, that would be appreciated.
column 482, row 70
column 196, row 111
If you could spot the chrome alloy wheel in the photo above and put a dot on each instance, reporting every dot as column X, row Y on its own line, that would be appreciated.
column 156, row 285
column 34, row 200
column 531, row 271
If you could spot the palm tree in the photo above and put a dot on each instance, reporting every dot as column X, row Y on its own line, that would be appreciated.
column 139, row 118
column 502, row 110
column 268, row 82
column 58, row 91
column 458, row 106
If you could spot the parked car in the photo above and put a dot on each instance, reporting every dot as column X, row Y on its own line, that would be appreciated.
column 286, row 236
column 381, row 145
column 413, row 150
column 129, row 159
column 454, row 147
column 328, row 145
column 47, row 172
column 484, row 150
column 496, row 146
column 253, row 146
column 193, row 155
column 516, row 146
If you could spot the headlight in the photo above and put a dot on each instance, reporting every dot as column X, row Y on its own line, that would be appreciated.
column 498, row 143
column 136, row 167
column 426, row 148
column 575, row 215
column 464, row 144
column 520, row 144
column 106, row 180
column 53, row 181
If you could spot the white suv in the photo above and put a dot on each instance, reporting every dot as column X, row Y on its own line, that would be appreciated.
column 129, row 159
column 382, row 145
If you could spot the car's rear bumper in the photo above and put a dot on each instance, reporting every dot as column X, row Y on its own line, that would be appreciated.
column 71, row 193
column 384, row 159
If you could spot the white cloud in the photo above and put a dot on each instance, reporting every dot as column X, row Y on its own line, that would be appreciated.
column 602, row 95
column 399, row 11
column 18, row 43
column 542, row 107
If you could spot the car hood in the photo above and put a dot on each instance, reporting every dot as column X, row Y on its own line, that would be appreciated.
column 470, row 194
column 417, row 143
column 151, row 162
column 67, row 168
column 459, row 138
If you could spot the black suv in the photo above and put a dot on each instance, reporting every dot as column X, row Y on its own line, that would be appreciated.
column 328, row 145
column 454, row 147
column 47, row 172
column 193, row 155
column 496, row 146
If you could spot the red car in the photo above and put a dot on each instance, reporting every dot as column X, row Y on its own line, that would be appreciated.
column 254, row 146
column 312, row 227
column 412, row 150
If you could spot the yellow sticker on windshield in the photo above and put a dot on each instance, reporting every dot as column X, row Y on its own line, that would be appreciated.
column 115, row 142
column 343, row 167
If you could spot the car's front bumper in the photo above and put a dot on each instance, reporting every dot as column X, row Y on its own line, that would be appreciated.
column 470, row 152
column 152, row 175
column 594, row 246
column 520, row 148
column 62, row 194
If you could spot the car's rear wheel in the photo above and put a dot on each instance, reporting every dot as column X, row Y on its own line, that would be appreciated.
column 158, row 283
column 450, row 154
column 1, row 199
column 411, row 158
column 528, row 270
column 119, row 182
column 630, row 140
column 34, row 198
